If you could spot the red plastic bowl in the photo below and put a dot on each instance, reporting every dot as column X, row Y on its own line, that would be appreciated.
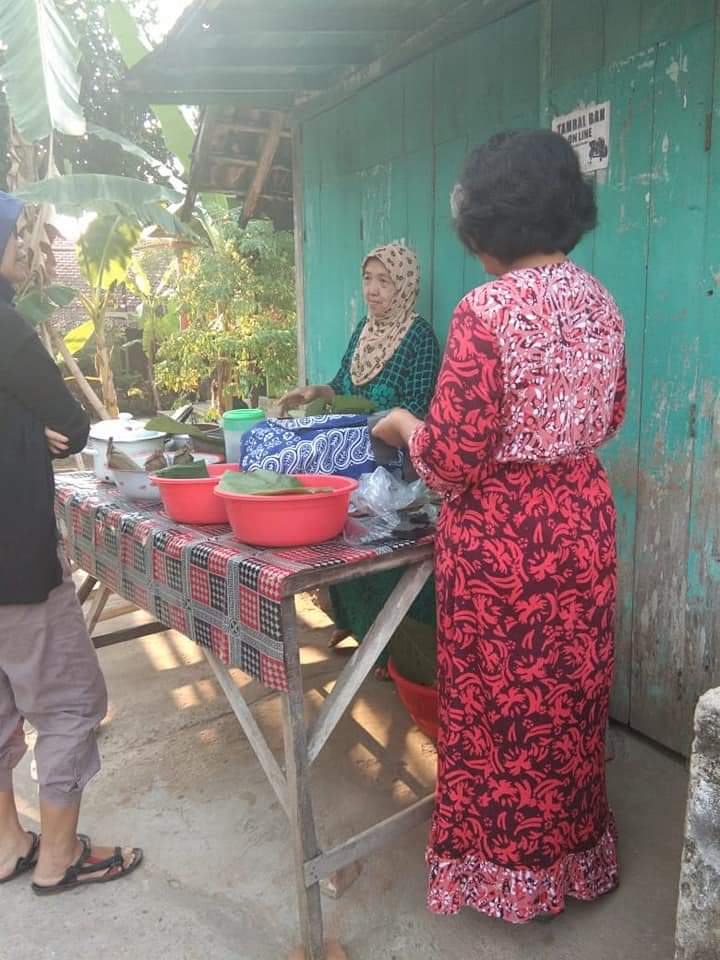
column 218, row 469
column 419, row 701
column 294, row 520
column 192, row 501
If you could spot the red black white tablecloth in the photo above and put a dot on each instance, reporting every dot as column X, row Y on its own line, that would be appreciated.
column 224, row 595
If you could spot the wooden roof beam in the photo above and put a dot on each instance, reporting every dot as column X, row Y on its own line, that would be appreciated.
column 263, row 168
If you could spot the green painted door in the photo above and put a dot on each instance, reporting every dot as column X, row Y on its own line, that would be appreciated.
column 674, row 592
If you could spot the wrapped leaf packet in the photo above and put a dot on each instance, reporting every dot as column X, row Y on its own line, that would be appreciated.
column 184, row 455
column 117, row 460
column 185, row 471
column 265, row 483
column 155, row 462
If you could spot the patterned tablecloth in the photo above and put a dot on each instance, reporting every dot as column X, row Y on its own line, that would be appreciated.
column 224, row 595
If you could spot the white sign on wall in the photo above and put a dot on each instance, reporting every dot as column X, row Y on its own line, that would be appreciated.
column 588, row 131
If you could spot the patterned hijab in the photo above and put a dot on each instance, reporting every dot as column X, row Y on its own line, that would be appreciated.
column 381, row 336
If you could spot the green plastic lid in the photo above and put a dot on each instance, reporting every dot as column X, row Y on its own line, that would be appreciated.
column 239, row 417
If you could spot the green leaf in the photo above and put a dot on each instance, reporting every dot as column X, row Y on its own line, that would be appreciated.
column 132, row 148
column 40, row 70
column 37, row 306
column 185, row 471
column 265, row 483
column 77, row 193
column 177, row 132
column 162, row 423
column 105, row 251
column 60, row 294
column 78, row 338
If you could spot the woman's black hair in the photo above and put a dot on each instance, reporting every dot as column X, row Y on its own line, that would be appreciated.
column 522, row 193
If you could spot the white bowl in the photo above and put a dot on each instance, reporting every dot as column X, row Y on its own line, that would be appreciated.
column 134, row 486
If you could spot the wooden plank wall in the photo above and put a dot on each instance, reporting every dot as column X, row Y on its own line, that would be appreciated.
column 381, row 166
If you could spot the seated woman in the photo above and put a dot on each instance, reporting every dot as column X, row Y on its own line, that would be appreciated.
column 392, row 360
column 393, row 356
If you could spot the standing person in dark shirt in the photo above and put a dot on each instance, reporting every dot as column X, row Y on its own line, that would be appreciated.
column 49, row 671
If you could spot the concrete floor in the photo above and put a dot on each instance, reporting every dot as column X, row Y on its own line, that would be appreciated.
column 179, row 779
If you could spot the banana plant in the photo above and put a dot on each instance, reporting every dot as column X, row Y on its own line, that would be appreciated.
column 105, row 254
column 42, row 86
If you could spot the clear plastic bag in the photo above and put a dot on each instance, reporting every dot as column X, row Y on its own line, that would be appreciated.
column 381, row 492
column 384, row 507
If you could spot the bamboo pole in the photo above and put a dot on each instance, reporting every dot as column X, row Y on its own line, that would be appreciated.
column 61, row 347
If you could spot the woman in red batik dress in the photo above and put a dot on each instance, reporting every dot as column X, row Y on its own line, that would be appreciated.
column 533, row 381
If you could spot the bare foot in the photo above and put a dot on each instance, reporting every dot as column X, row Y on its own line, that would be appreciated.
column 16, row 847
column 333, row 951
column 50, row 871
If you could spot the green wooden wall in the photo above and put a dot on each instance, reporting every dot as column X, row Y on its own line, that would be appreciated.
column 381, row 165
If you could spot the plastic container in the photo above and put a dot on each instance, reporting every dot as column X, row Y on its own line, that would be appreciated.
column 419, row 701
column 235, row 424
column 192, row 501
column 293, row 520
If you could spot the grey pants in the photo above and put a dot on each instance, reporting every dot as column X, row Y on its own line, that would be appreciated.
column 49, row 673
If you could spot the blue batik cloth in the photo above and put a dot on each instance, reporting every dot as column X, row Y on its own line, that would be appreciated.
column 332, row 444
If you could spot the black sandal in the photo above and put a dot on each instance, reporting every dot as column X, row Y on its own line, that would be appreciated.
column 113, row 866
column 27, row 862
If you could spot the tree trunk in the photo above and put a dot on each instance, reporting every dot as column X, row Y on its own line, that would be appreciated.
column 220, row 385
column 104, row 368
column 151, row 376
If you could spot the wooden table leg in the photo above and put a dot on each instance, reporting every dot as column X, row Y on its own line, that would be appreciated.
column 85, row 588
column 100, row 598
column 302, row 820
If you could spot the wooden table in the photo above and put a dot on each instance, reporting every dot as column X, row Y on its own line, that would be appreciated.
column 137, row 552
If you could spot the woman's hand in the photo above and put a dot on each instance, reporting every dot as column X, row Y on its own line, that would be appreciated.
column 57, row 443
column 397, row 427
column 302, row 395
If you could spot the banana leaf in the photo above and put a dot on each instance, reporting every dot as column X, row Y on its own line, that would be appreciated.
column 37, row 306
column 265, row 483
column 185, row 471
column 164, row 424
column 102, row 133
column 105, row 251
column 75, row 193
column 40, row 69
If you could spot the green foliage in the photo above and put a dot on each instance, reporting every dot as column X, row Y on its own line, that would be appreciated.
column 40, row 72
column 239, row 299
column 77, row 193
column 105, row 251
column 37, row 306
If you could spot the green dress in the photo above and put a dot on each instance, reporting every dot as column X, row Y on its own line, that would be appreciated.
column 407, row 380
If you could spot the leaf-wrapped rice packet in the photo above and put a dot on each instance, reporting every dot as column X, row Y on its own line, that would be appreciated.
column 265, row 483
column 155, row 462
column 197, row 470
column 115, row 459
column 184, row 455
